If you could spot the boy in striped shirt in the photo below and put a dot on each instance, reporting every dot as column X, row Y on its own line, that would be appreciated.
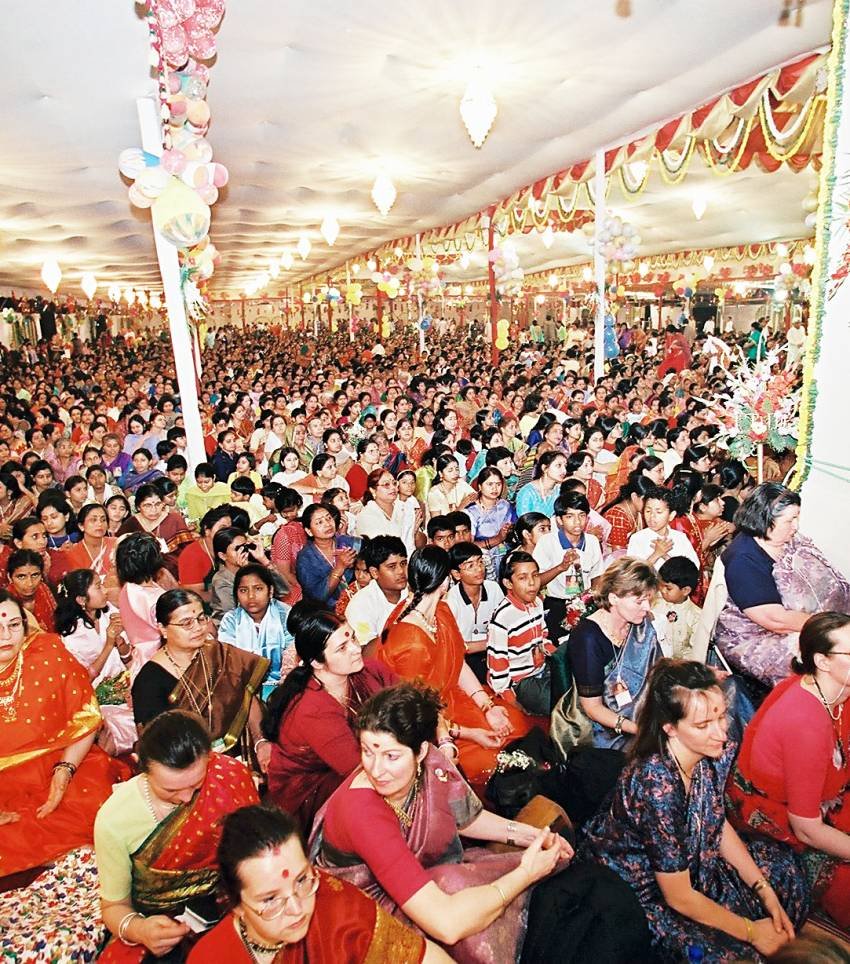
column 517, row 644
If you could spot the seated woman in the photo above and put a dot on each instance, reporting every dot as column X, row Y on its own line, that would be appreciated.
column 117, row 510
column 314, row 918
column 776, row 578
column 700, row 518
column 311, row 714
column 448, row 491
column 666, row 832
column 625, row 513
column 155, row 838
column 27, row 533
column 394, row 829
column 14, row 505
column 166, row 525
column 58, row 517
column 141, row 472
column 792, row 778
column 95, row 551
column 53, row 777
column 258, row 623
column 327, row 560
column 232, row 549
column 539, row 495
column 90, row 627
column 612, row 651
column 193, row 671
column 421, row 641
column 25, row 570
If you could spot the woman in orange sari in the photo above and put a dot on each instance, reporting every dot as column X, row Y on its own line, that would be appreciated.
column 421, row 641
column 95, row 551
column 52, row 777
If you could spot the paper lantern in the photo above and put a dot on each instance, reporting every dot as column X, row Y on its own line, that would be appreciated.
column 88, row 283
column 180, row 216
column 708, row 262
column 330, row 229
column 698, row 206
column 548, row 238
column 114, row 293
column 478, row 109
column 286, row 260
column 383, row 194
column 303, row 248
column 51, row 274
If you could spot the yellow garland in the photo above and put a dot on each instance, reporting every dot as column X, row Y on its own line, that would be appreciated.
column 820, row 271
column 777, row 152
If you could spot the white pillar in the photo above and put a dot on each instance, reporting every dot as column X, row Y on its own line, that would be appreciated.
column 599, row 270
column 823, row 453
column 169, row 269
column 419, row 304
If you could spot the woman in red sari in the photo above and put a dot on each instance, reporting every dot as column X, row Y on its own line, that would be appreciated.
column 699, row 517
column 25, row 569
column 282, row 906
column 625, row 513
column 52, row 777
column 792, row 778
column 311, row 713
column 95, row 551
column 421, row 641
column 156, row 837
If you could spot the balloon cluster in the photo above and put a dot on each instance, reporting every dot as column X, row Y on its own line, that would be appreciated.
column 610, row 344
column 509, row 274
column 387, row 282
column 332, row 295
column 617, row 240
column 503, row 327
column 353, row 293
column 423, row 277
column 187, row 28
column 425, row 323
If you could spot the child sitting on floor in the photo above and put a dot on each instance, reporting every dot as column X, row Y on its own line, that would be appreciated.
column 674, row 614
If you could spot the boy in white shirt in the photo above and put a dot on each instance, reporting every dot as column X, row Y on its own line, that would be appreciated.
column 386, row 557
column 569, row 558
column 674, row 614
column 658, row 542
column 472, row 600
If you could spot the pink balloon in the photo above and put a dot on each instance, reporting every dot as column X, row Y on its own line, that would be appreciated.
column 183, row 8
column 173, row 161
column 167, row 15
column 174, row 45
column 208, row 193
column 208, row 13
column 202, row 43
column 220, row 175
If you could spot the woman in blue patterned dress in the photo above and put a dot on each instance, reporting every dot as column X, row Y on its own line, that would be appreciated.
column 666, row 832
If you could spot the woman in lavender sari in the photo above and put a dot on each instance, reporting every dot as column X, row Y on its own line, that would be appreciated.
column 394, row 829
column 776, row 578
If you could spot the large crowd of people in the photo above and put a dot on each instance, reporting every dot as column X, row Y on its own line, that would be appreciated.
column 273, row 688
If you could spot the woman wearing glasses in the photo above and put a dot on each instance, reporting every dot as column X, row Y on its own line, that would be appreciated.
column 792, row 778
column 165, row 524
column 283, row 910
column 194, row 671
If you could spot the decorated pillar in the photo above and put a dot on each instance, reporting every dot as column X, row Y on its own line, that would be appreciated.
column 823, row 452
column 599, row 270
column 491, row 282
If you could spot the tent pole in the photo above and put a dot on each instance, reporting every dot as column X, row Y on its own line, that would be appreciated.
column 491, row 280
column 599, row 270
column 169, row 269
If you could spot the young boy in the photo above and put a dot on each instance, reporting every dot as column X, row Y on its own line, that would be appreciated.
column 441, row 532
column 462, row 525
column 206, row 493
column 289, row 539
column 386, row 558
column 472, row 600
column 658, row 542
column 570, row 558
column 517, row 643
column 674, row 614
column 242, row 490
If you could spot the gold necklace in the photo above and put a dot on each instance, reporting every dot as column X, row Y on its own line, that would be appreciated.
column 828, row 704
column 253, row 948
column 187, row 689
column 404, row 812
column 8, row 710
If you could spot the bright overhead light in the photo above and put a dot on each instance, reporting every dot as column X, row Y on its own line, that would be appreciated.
column 274, row 267
column 383, row 194
column 51, row 274
column 303, row 248
column 708, row 262
column 785, row 268
column 782, row 250
column 141, row 297
column 809, row 254
column 307, row 297
column 129, row 295
column 478, row 108
column 330, row 229
column 372, row 264
column 114, row 293
column 286, row 260
column 397, row 251
column 553, row 281
column 643, row 269
column 464, row 260
column 699, row 205
column 468, row 290
column 587, row 274
column 539, row 299
column 355, row 268
column 88, row 283
column 548, row 237
column 155, row 301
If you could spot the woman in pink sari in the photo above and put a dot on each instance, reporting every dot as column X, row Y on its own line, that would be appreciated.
column 394, row 829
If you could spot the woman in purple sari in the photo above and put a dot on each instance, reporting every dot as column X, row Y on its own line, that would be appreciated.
column 394, row 829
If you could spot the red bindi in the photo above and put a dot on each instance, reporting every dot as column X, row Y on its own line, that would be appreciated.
column 276, row 851
column 284, row 874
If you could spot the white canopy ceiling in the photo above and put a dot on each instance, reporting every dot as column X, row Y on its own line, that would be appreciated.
column 310, row 101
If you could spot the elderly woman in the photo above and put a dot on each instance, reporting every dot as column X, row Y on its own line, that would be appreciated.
column 53, row 777
column 612, row 651
column 792, row 778
column 775, row 578
column 266, row 874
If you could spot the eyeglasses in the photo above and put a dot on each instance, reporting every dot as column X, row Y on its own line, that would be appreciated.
column 305, row 886
column 839, row 652
column 151, row 505
column 191, row 621
column 477, row 562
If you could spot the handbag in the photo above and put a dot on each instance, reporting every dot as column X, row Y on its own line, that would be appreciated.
column 569, row 728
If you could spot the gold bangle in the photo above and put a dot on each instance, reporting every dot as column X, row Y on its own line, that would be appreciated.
column 750, row 935
column 760, row 884
column 501, row 893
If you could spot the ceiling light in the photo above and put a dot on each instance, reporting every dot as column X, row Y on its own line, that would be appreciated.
column 274, row 267
column 468, row 290
column 51, row 274
column 548, row 237
column 114, row 293
column 698, row 205
column 383, row 194
column 398, row 252
column 782, row 250
column 141, row 297
column 708, row 262
column 303, row 248
column 643, row 269
column 355, row 268
column 330, row 229
column 553, row 281
column 539, row 299
column 155, row 301
column 464, row 260
column 478, row 108
column 286, row 260
column 587, row 274
column 372, row 264
column 88, row 283
column 307, row 297
column 129, row 295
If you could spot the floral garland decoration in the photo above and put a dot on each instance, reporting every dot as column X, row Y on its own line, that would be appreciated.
column 820, row 272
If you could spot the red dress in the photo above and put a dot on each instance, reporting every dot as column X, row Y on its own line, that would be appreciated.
column 412, row 653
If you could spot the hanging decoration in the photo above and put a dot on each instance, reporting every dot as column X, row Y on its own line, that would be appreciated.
column 303, row 247
column 423, row 277
column 478, row 108
column 51, row 274
column 383, row 194
column 617, row 240
column 88, row 284
column 509, row 274
column 353, row 293
column 330, row 229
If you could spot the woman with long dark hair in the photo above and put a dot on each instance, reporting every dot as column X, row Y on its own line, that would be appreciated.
column 667, row 835
column 311, row 714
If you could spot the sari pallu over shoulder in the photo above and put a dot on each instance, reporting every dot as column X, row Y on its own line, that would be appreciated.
column 234, row 677
column 444, row 803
